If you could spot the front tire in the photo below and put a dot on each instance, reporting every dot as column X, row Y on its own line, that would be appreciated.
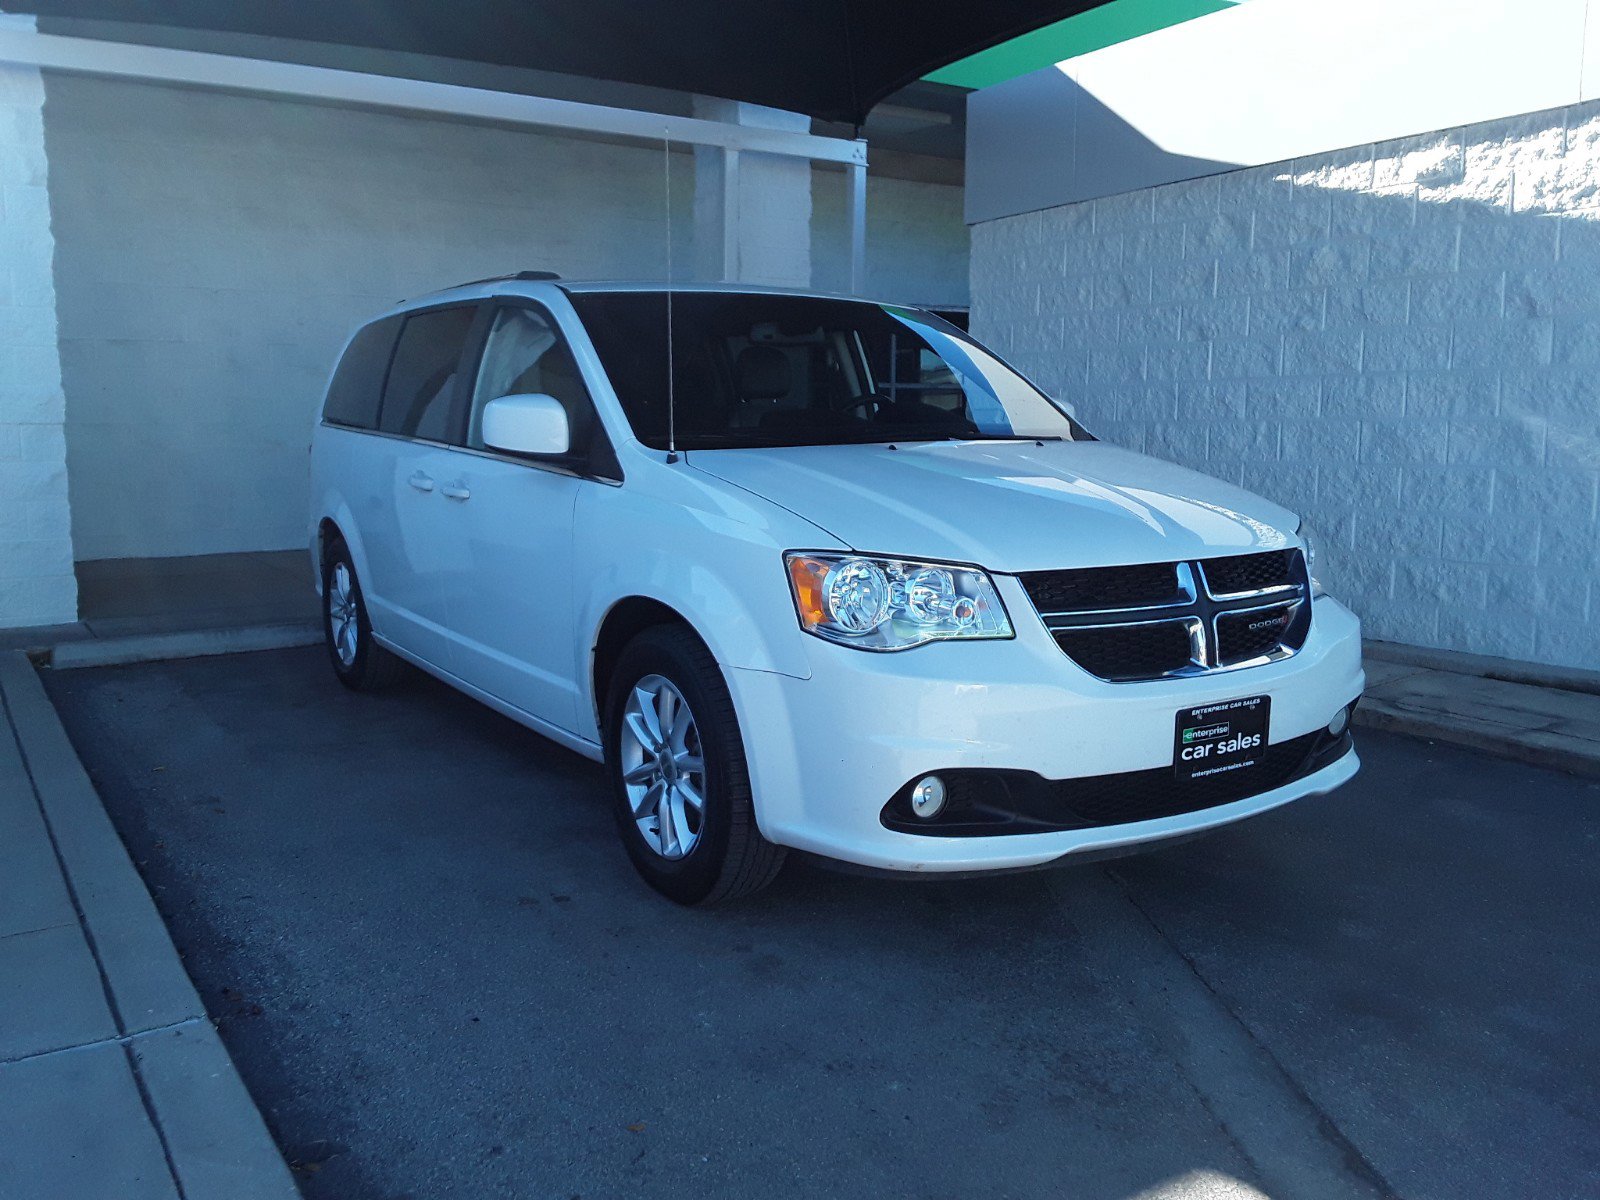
column 360, row 663
column 680, row 783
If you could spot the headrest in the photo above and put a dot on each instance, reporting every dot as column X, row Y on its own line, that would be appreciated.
column 761, row 373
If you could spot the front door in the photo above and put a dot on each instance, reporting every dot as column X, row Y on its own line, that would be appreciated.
column 512, row 599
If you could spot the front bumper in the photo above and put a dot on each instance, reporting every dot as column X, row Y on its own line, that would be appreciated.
column 827, row 752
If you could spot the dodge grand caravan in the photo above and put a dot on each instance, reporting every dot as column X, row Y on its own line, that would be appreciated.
column 811, row 573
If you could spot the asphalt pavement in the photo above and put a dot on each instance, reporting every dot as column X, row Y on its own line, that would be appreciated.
column 439, row 977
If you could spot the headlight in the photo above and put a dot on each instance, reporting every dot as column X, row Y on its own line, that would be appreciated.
column 1308, row 540
column 892, row 604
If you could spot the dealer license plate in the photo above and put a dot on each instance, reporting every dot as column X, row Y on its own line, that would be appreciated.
column 1217, row 739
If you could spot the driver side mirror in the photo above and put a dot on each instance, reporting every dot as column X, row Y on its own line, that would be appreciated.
column 534, row 425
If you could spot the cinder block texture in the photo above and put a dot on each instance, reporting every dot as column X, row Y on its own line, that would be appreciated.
column 36, row 583
column 1397, row 340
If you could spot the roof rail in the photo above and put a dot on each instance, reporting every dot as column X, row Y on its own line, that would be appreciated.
column 523, row 275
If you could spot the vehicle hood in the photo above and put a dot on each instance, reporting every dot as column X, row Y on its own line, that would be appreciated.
column 1007, row 506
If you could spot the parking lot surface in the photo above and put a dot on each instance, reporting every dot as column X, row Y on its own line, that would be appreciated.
column 439, row 976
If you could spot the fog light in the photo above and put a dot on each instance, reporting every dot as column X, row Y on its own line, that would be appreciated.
column 927, row 797
column 1339, row 722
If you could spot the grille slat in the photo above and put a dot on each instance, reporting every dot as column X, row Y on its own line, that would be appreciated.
column 1123, row 652
column 1250, row 572
column 1090, row 589
column 1101, row 616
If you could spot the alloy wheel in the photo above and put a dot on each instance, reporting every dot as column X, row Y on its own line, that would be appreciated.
column 663, row 767
column 342, row 621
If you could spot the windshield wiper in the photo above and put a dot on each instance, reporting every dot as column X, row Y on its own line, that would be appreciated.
column 1001, row 437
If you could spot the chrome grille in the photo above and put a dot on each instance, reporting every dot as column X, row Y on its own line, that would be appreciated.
column 1157, row 620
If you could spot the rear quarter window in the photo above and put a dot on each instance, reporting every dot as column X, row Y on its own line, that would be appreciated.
column 357, row 384
column 423, row 392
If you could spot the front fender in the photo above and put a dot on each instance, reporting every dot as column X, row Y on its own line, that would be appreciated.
column 720, row 566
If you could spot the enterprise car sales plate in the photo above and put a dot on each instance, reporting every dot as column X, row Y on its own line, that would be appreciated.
column 1215, row 739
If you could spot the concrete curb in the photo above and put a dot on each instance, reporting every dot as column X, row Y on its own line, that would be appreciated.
column 1549, row 727
column 215, row 1141
column 1507, row 670
column 199, row 643
column 1537, row 748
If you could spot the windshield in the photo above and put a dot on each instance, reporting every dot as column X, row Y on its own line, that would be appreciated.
column 753, row 369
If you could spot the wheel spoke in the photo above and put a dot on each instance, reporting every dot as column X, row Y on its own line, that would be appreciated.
column 648, row 802
column 666, row 713
column 644, row 704
column 689, row 764
column 643, row 773
column 639, row 726
column 674, row 829
column 682, row 724
column 690, row 797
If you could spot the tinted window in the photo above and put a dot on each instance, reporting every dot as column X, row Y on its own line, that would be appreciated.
column 420, row 399
column 358, row 382
column 525, row 354
column 758, row 369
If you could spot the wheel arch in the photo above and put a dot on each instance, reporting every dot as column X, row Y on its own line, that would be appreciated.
column 625, row 620
column 337, row 523
column 328, row 532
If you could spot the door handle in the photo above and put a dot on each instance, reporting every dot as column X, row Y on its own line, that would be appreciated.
column 423, row 483
column 456, row 491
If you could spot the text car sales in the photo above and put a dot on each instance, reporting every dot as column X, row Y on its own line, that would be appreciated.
column 1239, row 742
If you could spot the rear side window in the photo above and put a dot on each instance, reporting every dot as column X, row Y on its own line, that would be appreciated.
column 422, row 397
column 358, row 382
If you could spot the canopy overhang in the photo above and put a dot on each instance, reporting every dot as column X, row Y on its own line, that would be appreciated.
column 829, row 59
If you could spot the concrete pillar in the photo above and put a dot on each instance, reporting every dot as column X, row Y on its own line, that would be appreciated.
column 752, row 212
column 36, row 581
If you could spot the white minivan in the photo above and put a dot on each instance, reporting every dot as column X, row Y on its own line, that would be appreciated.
column 817, row 574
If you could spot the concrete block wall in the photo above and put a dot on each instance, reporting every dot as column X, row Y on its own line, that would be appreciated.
column 1400, row 340
column 36, row 582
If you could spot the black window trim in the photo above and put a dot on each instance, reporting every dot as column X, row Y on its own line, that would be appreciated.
column 602, row 468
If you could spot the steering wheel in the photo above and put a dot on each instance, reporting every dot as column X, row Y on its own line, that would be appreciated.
column 866, row 408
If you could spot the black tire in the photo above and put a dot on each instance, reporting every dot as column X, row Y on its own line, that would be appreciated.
column 730, row 858
column 371, row 668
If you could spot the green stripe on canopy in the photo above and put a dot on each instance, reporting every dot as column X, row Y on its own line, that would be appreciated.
column 1107, row 25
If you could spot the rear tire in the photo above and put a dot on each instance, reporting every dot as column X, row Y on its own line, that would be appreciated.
column 660, row 765
column 360, row 663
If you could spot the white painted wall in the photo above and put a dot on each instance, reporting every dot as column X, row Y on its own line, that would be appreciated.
column 769, row 238
column 917, row 242
column 213, row 252
column 36, row 583
column 1400, row 340
column 1267, row 81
